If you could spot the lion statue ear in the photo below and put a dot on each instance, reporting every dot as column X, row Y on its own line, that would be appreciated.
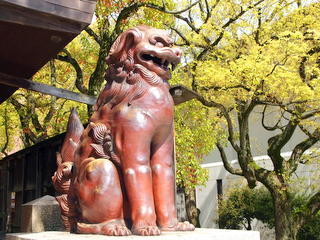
column 123, row 43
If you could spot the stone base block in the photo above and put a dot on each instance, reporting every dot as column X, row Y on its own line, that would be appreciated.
column 198, row 234
column 42, row 214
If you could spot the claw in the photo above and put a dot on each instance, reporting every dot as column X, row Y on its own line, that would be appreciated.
column 147, row 231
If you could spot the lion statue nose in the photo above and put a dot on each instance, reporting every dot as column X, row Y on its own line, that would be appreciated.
column 177, row 52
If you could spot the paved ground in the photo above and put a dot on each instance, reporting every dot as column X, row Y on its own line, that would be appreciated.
column 198, row 234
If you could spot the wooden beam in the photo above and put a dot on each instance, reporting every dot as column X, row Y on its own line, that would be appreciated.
column 46, row 89
column 179, row 93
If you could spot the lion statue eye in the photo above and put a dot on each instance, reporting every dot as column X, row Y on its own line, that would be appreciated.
column 159, row 41
column 159, row 44
column 153, row 41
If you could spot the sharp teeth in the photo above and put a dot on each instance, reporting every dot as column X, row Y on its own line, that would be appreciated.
column 162, row 61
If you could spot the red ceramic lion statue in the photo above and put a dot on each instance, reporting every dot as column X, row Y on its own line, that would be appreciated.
column 119, row 175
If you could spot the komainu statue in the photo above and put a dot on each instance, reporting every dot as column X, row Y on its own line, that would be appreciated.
column 118, row 175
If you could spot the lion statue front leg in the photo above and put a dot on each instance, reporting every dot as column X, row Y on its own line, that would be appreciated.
column 162, row 168
column 134, row 153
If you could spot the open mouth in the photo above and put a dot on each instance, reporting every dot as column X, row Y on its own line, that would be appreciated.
column 160, row 62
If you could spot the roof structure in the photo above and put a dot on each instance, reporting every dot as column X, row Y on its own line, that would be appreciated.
column 33, row 31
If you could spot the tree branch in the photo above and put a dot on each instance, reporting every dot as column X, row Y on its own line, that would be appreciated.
column 227, row 24
column 310, row 114
column 94, row 35
column 53, row 108
column 277, row 142
column 180, row 35
column 226, row 115
column 257, row 33
column 301, row 148
column 243, row 119
column 302, row 70
column 24, row 117
column 304, row 130
column 226, row 164
column 190, row 17
column 216, row 88
column 34, row 116
column 313, row 206
column 6, row 126
column 245, row 158
column 187, row 21
column 125, row 13
column 208, row 10
column 278, row 64
column 276, row 103
column 79, row 79
column 163, row 8
column 276, row 126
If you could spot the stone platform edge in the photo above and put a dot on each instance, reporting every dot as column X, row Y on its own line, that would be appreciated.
column 198, row 234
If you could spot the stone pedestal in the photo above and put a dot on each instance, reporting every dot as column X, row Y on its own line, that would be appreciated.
column 42, row 214
column 198, row 234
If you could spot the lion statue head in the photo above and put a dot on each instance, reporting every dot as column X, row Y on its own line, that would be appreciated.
column 140, row 57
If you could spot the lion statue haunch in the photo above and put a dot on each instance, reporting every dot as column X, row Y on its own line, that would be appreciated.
column 122, row 176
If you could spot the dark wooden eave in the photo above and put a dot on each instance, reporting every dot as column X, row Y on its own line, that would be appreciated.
column 33, row 31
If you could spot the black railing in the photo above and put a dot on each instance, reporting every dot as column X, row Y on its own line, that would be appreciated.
column 25, row 176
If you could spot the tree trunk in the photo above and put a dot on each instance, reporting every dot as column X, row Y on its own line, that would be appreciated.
column 286, row 228
column 191, row 208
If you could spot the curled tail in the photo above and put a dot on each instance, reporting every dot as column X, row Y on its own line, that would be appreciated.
column 102, row 142
column 62, row 177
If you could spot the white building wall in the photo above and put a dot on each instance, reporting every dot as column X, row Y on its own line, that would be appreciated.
column 207, row 196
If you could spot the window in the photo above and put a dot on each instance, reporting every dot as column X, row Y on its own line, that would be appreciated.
column 219, row 189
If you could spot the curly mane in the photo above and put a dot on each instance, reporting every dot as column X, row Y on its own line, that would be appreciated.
column 126, row 80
